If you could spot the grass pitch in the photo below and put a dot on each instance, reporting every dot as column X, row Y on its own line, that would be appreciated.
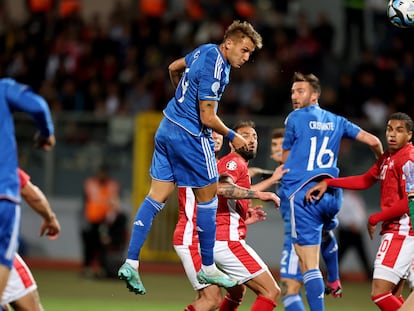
column 65, row 290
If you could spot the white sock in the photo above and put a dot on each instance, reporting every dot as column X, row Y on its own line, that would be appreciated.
column 133, row 263
column 209, row 269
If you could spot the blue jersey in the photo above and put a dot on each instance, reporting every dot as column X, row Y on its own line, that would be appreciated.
column 17, row 97
column 313, row 136
column 205, row 78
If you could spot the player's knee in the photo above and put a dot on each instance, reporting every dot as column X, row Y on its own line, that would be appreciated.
column 289, row 287
column 271, row 292
column 215, row 302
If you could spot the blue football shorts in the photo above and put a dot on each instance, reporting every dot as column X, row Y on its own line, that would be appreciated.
column 180, row 157
column 309, row 218
column 9, row 231
column 289, row 261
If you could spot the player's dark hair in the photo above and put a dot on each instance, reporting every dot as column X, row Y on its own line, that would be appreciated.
column 278, row 133
column 245, row 123
column 401, row 116
column 240, row 30
column 310, row 78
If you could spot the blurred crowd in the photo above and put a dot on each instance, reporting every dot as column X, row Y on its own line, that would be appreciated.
column 117, row 65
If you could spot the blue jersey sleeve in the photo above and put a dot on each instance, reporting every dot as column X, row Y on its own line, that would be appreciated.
column 21, row 98
column 212, row 76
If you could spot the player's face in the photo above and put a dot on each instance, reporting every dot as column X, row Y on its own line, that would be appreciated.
column 250, row 135
column 218, row 141
column 302, row 95
column 276, row 149
column 397, row 135
column 239, row 51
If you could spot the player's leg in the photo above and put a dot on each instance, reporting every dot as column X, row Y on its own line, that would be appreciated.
column 10, row 226
column 162, row 186
column 329, row 250
column 242, row 263
column 206, row 226
column 29, row 302
column 312, row 276
column 382, row 295
column 392, row 262
column 266, row 290
column 150, row 207
column 21, row 290
column 291, row 296
column 330, row 206
column 233, row 298
column 291, row 279
column 306, row 236
column 208, row 297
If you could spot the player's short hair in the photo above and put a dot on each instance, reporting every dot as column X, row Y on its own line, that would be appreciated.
column 278, row 133
column 242, row 123
column 240, row 30
column 401, row 116
column 310, row 78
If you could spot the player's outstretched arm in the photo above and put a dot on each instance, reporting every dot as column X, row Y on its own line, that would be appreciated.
column 372, row 141
column 228, row 189
column 272, row 180
column 37, row 200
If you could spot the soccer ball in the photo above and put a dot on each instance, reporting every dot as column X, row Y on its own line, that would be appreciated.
column 401, row 13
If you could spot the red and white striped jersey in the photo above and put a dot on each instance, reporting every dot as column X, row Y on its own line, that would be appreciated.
column 389, row 169
column 231, row 213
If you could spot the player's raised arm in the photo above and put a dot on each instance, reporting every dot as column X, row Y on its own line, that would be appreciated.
column 175, row 70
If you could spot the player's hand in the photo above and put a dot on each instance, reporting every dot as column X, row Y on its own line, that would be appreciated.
column 371, row 230
column 50, row 228
column 44, row 143
column 268, row 196
column 255, row 214
column 278, row 173
column 316, row 192
column 239, row 143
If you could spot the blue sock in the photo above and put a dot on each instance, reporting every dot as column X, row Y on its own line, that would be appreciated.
column 206, row 229
column 293, row 303
column 315, row 288
column 329, row 249
column 142, row 225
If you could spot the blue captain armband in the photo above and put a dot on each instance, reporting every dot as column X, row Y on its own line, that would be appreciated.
column 230, row 135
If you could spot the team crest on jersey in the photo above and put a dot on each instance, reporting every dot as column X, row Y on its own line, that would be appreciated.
column 196, row 54
column 231, row 165
column 215, row 87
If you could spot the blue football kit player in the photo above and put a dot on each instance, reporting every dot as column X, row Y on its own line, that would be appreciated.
column 16, row 97
column 310, row 151
column 291, row 279
column 184, row 148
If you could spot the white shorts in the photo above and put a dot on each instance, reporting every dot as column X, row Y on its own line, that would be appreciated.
column 410, row 276
column 191, row 260
column 394, row 257
column 235, row 258
column 20, row 282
